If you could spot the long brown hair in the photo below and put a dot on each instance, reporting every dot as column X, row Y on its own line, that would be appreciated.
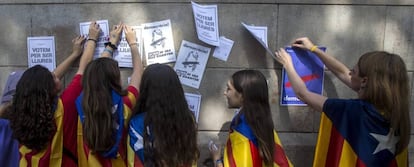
column 31, row 114
column 253, row 87
column 388, row 90
column 173, row 140
column 100, row 78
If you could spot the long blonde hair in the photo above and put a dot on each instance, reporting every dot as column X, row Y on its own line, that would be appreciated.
column 388, row 90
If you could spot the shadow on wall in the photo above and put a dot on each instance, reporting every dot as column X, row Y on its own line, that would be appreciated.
column 221, row 140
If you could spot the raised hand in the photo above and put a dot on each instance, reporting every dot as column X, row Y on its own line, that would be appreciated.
column 283, row 57
column 115, row 34
column 130, row 35
column 94, row 31
column 303, row 43
column 77, row 45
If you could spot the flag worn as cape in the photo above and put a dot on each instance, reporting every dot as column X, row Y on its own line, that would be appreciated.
column 88, row 158
column 356, row 135
column 242, row 148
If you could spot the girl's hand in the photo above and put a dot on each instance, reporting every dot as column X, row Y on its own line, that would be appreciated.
column 130, row 35
column 115, row 34
column 94, row 31
column 303, row 43
column 283, row 57
column 77, row 43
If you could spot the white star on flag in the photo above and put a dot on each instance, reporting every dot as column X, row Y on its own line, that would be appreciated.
column 114, row 108
column 139, row 143
column 387, row 142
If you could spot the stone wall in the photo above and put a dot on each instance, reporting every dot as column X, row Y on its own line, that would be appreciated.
column 347, row 27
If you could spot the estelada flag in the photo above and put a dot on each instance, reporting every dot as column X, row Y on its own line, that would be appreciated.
column 348, row 143
column 242, row 149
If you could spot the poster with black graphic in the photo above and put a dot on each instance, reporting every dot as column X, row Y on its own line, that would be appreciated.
column 41, row 51
column 310, row 69
column 158, row 42
column 191, row 63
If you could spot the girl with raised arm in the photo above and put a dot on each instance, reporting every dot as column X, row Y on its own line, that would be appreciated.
column 104, row 107
column 372, row 130
column 40, row 119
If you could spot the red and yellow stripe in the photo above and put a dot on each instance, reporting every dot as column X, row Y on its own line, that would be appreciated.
column 50, row 156
column 333, row 151
column 240, row 152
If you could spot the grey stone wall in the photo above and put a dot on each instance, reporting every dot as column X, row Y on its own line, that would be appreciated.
column 347, row 27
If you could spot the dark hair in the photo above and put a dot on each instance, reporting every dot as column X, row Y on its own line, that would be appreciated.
column 172, row 124
column 31, row 114
column 388, row 90
column 255, row 106
column 100, row 78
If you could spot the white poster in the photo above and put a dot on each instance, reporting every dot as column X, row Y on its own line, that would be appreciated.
column 260, row 33
column 41, row 50
column 191, row 63
column 158, row 42
column 222, row 52
column 123, row 53
column 206, row 22
column 103, row 36
column 194, row 101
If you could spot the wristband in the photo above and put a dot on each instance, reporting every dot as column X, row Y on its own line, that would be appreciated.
column 109, row 51
column 219, row 161
column 313, row 48
column 94, row 40
column 133, row 43
column 111, row 45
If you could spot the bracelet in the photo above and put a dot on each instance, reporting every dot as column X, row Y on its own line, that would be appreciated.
column 109, row 51
column 111, row 45
column 313, row 48
column 94, row 40
column 219, row 161
column 133, row 43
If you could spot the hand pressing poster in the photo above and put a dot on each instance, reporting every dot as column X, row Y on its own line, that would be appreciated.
column 310, row 69
column 206, row 22
column 158, row 42
column 41, row 51
column 103, row 36
column 191, row 63
column 193, row 101
column 123, row 53
column 260, row 34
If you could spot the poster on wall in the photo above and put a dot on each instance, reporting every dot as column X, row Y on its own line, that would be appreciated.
column 310, row 69
column 41, row 51
column 222, row 52
column 103, row 36
column 194, row 101
column 206, row 22
column 123, row 53
column 260, row 34
column 158, row 42
column 191, row 63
